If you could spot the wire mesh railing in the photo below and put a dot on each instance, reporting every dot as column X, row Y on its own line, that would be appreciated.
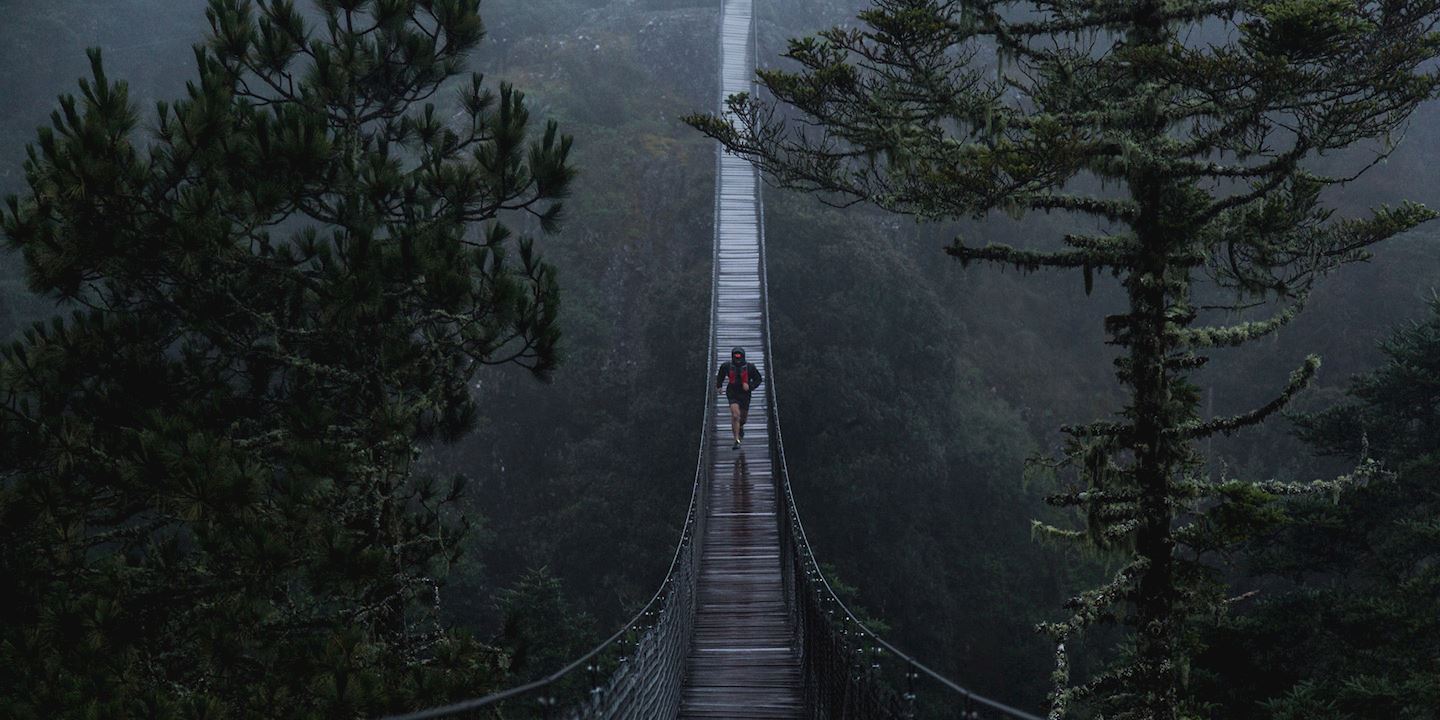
column 848, row 670
column 636, row 672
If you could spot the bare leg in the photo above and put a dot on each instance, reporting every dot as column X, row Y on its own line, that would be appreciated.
column 736, row 420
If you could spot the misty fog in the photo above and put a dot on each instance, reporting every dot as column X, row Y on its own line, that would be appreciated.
column 919, row 399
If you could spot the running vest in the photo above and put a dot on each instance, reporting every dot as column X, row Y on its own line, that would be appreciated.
column 744, row 376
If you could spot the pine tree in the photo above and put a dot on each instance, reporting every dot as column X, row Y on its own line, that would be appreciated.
column 279, row 285
column 1180, row 139
column 1349, row 625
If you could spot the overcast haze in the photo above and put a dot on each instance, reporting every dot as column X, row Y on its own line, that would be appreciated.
column 914, row 390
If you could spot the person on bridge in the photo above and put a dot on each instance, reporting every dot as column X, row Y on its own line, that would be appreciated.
column 743, row 377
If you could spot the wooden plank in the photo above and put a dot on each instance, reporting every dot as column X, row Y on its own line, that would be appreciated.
column 743, row 662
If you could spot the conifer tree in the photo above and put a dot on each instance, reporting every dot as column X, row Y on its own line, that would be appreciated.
column 1357, row 635
column 1180, row 138
column 278, row 285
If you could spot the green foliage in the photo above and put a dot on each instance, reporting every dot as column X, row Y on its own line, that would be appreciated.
column 208, row 501
column 1347, row 623
column 1207, row 143
column 1393, row 408
column 901, row 456
column 635, row 276
column 589, row 475
column 850, row 595
column 541, row 631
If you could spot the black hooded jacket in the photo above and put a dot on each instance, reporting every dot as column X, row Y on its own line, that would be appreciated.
column 752, row 374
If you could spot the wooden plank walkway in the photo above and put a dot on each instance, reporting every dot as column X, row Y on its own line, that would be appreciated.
column 743, row 662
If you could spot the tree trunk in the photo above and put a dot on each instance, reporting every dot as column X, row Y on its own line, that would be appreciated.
column 1155, row 461
column 1156, row 454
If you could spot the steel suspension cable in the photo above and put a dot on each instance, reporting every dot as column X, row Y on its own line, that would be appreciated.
column 791, row 509
column 687, row 541
column 681, row 562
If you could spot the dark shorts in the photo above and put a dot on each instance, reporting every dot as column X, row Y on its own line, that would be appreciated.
column 738, row 397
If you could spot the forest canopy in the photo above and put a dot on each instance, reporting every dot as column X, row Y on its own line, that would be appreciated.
column 1178, row 140
column 277, row 292
column 274, row 310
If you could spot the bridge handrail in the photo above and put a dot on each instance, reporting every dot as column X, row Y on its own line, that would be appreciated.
column 686, row 540
column 694, row 518
column 656, row 602
column 792, row 511
column 636, row 621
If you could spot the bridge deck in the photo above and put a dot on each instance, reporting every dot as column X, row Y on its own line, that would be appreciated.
column 743, row 662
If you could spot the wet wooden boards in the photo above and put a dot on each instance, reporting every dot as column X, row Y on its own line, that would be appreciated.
column 742, row 662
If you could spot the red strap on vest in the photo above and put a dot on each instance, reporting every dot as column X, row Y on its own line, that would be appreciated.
column 744, row 375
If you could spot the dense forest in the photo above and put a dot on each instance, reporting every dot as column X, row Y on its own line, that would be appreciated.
column 150, row 509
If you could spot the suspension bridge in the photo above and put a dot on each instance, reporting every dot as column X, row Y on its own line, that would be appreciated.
column 744, row 624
